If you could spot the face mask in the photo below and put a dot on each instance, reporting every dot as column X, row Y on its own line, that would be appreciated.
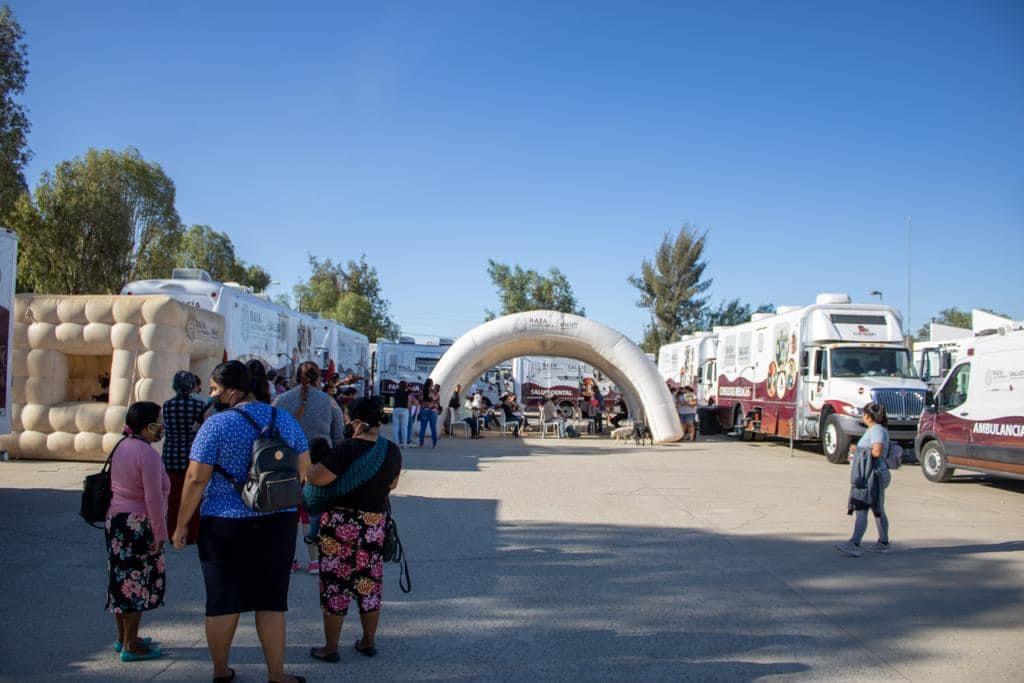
column 219, row 404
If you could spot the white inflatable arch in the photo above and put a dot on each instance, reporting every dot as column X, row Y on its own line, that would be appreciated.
column 550, row 333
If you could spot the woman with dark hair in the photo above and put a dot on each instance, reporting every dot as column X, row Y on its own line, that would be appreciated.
column 182, row 416
column 869, row 477
column 136, row 530
column 351, row 539
column 260, row 383
column 400, row 414
column 429, row 408
column 245, row 555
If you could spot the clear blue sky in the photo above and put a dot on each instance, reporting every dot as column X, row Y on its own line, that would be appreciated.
column 433, row 136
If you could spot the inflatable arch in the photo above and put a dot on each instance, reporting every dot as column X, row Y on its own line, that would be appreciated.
column 550, row 333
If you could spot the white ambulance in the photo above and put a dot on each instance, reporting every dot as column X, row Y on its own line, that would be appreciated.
column 975, row 421
column 808, row 371
column 690, row 362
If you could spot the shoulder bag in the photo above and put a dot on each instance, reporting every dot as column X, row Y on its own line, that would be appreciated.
column 394, row 551
column 96, row 493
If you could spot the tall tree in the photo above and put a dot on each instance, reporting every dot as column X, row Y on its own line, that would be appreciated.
column 672, row 287
column 729, row 313
column 96, row 223
column 528, row 290
column 349, row 293
column 14, row 123
column 205, row 248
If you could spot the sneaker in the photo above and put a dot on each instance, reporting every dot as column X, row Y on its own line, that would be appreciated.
column 882, row 548
column 296, row 566
column 849, row 548
column 314, row 568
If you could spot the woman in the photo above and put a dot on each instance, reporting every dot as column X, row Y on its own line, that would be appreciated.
column 549, row 414
column 869, row 477
column 429, row 409
column 352, row 532
column 182, row 416
column 136, row 530
column 245, row 555
column 320, row 418
column 260, row 384
column 621, row 412
column 400, row 414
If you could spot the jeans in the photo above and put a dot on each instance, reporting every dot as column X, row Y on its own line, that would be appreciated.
column 860, row 524
column 400, row 426
column 408, row 431
column 428, row 416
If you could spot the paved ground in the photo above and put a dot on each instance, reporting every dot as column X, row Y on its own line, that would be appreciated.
column 543, row 560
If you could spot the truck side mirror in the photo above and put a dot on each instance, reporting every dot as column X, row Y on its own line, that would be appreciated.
column 930, row 401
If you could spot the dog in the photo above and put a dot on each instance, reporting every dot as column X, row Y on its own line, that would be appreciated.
column 640, row 433
column 622, row 433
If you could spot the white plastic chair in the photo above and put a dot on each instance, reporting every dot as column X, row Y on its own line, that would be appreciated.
column 507, row 427
column 545, row 426
column 458, row 423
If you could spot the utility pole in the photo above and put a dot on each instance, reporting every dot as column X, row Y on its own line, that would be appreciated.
column 909, row 245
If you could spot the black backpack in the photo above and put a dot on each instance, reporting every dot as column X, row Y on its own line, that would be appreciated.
column 273, row 482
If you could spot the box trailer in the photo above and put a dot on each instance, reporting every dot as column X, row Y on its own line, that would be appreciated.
column 690, row 362
column 8, row 267
column 807, row 372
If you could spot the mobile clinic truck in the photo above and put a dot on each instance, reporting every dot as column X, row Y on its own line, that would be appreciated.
column 690, row 362
column 255, row 327
column 406, row 360
column 975, row 420
column 807, row 372
column 536, row 377
column 8, row 265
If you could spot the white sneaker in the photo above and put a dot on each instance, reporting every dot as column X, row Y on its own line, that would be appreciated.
column 849, row 548
column 882, row 548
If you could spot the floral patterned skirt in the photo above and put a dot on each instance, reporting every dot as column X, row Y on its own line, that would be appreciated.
column 137, row 581
column 351, row 547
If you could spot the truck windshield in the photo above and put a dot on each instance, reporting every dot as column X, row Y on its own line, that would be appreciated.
column 868, row 362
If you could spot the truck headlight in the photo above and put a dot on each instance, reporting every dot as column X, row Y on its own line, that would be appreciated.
column 853, row 411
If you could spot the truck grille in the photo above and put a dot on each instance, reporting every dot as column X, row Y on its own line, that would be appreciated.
column 900, row 404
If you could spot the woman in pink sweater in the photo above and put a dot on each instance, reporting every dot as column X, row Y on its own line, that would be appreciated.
column 136, row 530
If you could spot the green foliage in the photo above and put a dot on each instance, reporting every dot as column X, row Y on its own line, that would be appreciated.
column 203, row 247
column 672, row 288
column 527, row 290
column 96, row 223
column 729, row 313
column 953, row 316
column 350, row 294
column 14, row 123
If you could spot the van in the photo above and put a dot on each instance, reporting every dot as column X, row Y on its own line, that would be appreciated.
column 975, row 421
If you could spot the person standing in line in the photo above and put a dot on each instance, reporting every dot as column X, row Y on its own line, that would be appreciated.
column 261, row 386
column 353, row 530
column 429, row 408
column 869, row 477
column 320, row 418
column 400, row 415
column 454, row 403
column 686, row 404
column 182, row 417
column 245, row 555
column 136, row 530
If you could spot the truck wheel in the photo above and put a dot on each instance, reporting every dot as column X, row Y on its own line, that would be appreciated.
column 934, row 464
column 566, row 410
column 835, row 442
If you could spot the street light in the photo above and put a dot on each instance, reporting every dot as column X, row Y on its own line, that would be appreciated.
column 875, row 292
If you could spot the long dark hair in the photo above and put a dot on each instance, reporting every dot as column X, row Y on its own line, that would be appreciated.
column 877, row 413
column 233, row 375
column 258, row 380
column 428, row 387
column 308, row 374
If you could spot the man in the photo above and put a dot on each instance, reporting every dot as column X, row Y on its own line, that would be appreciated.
column 453, row 407
column 549, row 414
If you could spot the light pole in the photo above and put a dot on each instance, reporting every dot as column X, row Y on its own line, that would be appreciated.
column 875, row 292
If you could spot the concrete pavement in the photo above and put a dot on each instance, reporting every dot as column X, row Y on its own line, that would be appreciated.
column 544, row 559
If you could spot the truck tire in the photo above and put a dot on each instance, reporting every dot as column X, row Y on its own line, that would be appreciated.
column 934, row 464
column 835, row 443
column 566, row 409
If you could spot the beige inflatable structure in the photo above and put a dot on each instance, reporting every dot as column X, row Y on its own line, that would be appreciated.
column 550, row 333
column 66, row 346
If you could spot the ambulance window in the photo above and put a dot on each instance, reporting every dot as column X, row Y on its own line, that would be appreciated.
column 760, row 342
column 954, row 391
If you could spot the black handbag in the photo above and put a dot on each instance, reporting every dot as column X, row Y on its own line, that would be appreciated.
column 395, row 552
column 96, row 493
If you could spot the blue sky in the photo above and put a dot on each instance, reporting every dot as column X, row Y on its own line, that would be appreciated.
column 434, row 136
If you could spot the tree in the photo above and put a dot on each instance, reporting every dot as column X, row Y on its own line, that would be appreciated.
column 527, row 290
column 205, row 248
column 96, row 223
column 350, row 294
column 954, row 317
column 672, row 287
column 729, row 313
column 14, row 123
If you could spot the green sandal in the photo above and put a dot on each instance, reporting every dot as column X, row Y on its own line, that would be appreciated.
column 145, row 641
column 128, row 656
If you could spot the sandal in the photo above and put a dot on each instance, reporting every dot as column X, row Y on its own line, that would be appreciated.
column 225, row 679
column 298, row 679
column 329, row 657
column 145, row 641
column 365, row 651
column 129, row 656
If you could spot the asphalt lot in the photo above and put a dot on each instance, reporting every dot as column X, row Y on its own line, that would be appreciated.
column 581, row 559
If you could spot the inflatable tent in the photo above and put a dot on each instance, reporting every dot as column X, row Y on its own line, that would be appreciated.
column 79, row 361
column 550, row 333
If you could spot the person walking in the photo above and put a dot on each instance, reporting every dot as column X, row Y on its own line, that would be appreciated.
column 182, row 417
column 320, row 417
column 245, row 555
column 400, row 415
column 352, row 531
column 429, row 408
column 869, row 477
column 136, row 529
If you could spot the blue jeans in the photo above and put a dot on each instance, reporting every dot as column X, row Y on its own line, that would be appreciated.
column 400, row 425
column 428, row 417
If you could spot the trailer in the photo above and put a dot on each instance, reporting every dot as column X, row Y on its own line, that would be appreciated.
column 8, row 267
column 689, row 362
column 807, row 372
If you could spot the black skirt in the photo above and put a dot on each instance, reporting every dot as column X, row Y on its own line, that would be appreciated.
column 247, row 562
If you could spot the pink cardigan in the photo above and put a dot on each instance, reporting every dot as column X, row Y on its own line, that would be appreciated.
column 140, row 484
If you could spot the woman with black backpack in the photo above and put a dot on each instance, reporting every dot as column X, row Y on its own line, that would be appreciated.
column 246, row 554
column 352, row 530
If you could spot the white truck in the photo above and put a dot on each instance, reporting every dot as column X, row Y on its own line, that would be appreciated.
column 690, row 362
column 406, row 360
column 807, row 372
column 536, row 377
column 255, row 327
column 8, row 266
column 933, row 358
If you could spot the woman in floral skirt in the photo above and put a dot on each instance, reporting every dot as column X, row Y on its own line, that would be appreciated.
column 136, row 530
column 351, row 539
